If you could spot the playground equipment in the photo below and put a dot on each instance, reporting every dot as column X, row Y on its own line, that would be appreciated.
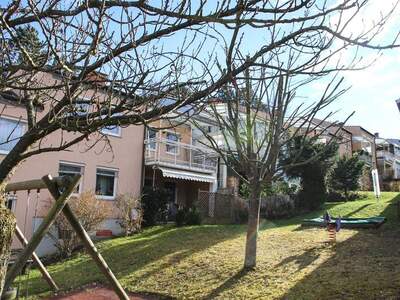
column 61, row 189
column 373, row 222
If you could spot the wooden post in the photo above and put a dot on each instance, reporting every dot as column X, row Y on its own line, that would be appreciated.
column 37, row 261
column 89, row 245
column 42, row 230
column 37, row 184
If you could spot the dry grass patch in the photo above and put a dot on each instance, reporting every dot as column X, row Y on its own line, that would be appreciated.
column 204, row 262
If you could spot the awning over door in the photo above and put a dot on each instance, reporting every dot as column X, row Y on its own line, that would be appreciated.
column 187, row 175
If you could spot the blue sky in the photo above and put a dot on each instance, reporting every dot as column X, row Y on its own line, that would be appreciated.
column 373, row 90
column 372, row 96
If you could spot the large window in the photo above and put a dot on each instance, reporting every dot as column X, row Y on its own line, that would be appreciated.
column 66, row 169
column 10, row 132
column 172, row 140
column 151, row 137
column 114, row 130
column 106, row 183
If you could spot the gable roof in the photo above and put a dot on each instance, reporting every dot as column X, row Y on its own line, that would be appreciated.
column 394, row 141
column 353, row 128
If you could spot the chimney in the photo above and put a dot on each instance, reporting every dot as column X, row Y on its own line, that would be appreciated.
column 377, row 135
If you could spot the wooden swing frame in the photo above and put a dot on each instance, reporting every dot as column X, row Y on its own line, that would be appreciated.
column 67, row 184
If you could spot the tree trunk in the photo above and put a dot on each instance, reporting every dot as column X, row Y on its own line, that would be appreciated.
column 7, row 226
column 252, row 227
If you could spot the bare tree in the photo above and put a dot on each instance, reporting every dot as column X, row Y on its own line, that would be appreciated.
column 113, row 63
column 259, row 117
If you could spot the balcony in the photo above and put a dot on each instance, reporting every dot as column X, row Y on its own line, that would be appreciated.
column 386, row 155
column 162, row 152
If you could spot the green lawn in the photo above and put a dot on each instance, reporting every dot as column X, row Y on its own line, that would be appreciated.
column 204, row 262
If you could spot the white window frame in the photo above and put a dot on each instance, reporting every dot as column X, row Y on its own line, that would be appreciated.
column 13, row 199
column 106, row 131
column 172, row 143
column 12, row 119
column 148, row 140
column 74, row 164
column 116, row 173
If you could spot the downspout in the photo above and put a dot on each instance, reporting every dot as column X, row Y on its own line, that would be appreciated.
column 142, row 175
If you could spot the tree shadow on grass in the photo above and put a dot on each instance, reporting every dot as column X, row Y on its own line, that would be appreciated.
column 303, row 260
column 356, row 210
column 128, row 255
column 365, row 266
column 228, row 284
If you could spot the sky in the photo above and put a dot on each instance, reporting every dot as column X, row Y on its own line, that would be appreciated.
column 374, row 90
column 372, row 96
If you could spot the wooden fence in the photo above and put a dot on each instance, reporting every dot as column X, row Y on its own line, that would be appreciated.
column 216, row 208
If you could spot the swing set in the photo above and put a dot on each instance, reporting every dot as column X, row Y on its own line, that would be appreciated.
column 61, row 189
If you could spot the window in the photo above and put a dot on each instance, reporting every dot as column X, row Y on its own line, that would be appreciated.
column 151, row 136
column 172, row 140
column 81, row 109
column 11, row 201
column 112, row 130
column 65, row 169
column 11, row 131
column 106, row 183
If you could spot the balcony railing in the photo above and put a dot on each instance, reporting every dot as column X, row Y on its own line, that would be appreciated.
column 388, row 156
column 180, row 155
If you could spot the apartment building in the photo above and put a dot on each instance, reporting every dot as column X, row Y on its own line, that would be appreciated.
column 363, row 144
column 388, row 158
column 326, row 131
column 107, row 171
column 177, row 161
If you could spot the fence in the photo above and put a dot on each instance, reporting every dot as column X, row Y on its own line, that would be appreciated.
column 221, row 208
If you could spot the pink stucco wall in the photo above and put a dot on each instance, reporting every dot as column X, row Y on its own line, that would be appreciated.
column 126, row 158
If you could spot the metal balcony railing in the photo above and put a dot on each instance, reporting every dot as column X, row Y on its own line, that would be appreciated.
column 179, row 155
column 388, row 156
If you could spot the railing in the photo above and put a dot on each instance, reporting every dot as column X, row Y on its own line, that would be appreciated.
column 386, row 155
column 180, row 155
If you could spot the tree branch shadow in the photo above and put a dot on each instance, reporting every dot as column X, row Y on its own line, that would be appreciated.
column 228, row 283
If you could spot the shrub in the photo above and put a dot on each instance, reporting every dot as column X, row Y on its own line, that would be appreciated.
column 193, row 217
column 278, row 187
column 154, row 205
column 334, row 196
column 278, row 206
column 240, row 211
column 180, row 218
column 241, row 215
column 319, row 158
column 90, row 212
column 131, row 214
column 346, row 174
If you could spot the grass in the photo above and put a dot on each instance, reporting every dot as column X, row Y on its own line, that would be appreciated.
column 205, row 262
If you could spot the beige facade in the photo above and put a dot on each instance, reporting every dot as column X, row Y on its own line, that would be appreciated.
column 325, row 132
column 363, row 144
column 175, row 161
